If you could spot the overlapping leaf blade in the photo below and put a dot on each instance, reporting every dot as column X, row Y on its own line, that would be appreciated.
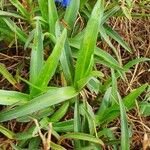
column 71, row 13
column 17, row 31
column 86, row 52
column 50, row 98
column 125, row 144
column 37, row 55
column 51, row 63
column 12, row 97
column 21, row 8
column 52, row 16
column 82, row 136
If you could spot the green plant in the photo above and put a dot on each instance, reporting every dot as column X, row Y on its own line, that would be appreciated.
column 74, row 56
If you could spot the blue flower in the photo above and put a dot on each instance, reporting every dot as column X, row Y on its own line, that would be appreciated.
column 64, row 3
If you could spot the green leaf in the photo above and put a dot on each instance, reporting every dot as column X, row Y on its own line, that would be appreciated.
column 71, row 13
column 51, row 63
column 82, row 3
column 113, row 34
column 113, row 111
column 86, row 52
column 114, row 87
column 52, row 16
column 56, row 146
column 65, row 126
column 7, row 75
column 81, row 136
column 43, row 5
column 145, row 109
column 21, row 8
column 20, row 34
column 9, row 134
column 12, row 97
column 107, row 40
column 110, row 13
column 60, row 113
column 101, row 56
column 9, row 14
column 37, row 54
column 106, row 59
column 34, row 143
column 67, row 63
column 52, row 97
column 125, row 142
column 94, row 85
column 106, row 102
column 88, row 112
column 129, row 3
column 77, row 122
column 29, row 39
column 134, row 62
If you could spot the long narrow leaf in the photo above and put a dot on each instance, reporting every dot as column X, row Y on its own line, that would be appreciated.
column 21, row 8
column 7, row 75
column 50, row 98
column 82, row 136
column 12, row 97
column 43, row 4
column 113, row 34
column 113, row 111
column 37, row 54
column 77, row 122
column 71, row 13
column 88, row 44
column 51, row 63
column 59, row 114
column 21, row 35
column 52, row 16
column 9, row 14
column 125, row 144
column 67, row 63
column 9, row 134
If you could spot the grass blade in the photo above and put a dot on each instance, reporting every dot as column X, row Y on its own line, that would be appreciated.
column 71, row 13
column 43, row 4
column 77, row 122
column 81, row 136
column 50, row 98
column 59, row 113
column 9, row 134
column 109, row 14
column 134, row 62
column 88, row 44
column 52, row 16
column 101, row 56
column 57, row 147
column 21, row 8
column 106, row 59
column 7, row 75
column 107, row 40
column 125, row 143
column 37, row 54
column 113, row 111
column 9, row 14
column 21, row 35
column 12, row 97
column 116, row 37
column 67, row 63
column 51, row 63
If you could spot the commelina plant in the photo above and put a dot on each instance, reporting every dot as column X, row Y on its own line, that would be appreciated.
column 64, row 50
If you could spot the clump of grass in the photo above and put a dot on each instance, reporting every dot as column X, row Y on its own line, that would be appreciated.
column 73, row 57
